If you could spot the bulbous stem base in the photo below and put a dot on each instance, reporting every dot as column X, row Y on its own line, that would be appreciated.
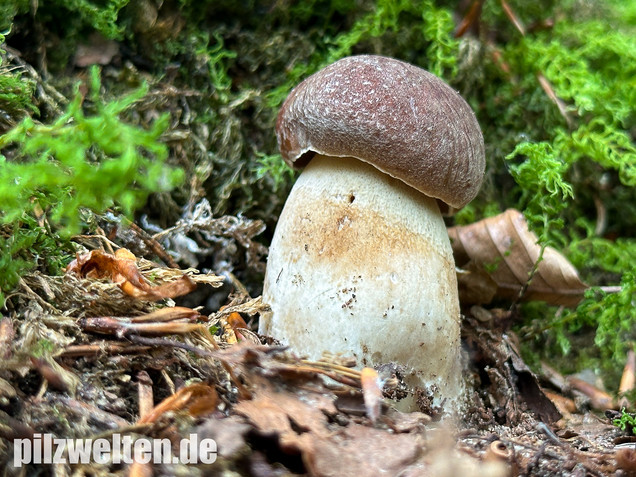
column 361, row 264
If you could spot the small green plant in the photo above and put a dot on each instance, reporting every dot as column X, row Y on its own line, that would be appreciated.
column 78, row 162
column 612, row 315
column 216, row 56
column 625, row 422
column 43, row 348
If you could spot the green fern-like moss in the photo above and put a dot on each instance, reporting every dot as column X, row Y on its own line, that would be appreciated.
column 573, row 161
column 77, row 162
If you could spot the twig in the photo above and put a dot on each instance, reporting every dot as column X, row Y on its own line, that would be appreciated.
column 526, row 285
column 168, row 380
column 599, row 399
column 470, row 18
column 168, row 314
column 153, row 244
column 543, row 81
column 75, row 351
column 144, row 393
column 123, row 327
column 146, row 403
column 513, row 18
column 236, row 283
column 542, row 427
column 601, row 217
column 335, row 375
column 549, row 90
column 161, row 342
column 109, row 243
column 611, row 289
column 31, row 294
column 343, row 370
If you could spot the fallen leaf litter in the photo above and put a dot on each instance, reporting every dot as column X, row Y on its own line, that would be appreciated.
column 269, row 410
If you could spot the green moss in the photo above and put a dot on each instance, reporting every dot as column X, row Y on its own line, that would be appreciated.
column 571, row 164
column 77, row 162
column 612, row 317
column 16, row 93
column 275, row 167
column 544, row 192
column 102, row 16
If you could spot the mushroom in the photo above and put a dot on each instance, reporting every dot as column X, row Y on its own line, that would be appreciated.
column 360, row 262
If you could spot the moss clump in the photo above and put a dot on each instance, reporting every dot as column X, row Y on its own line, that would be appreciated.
column 79, row 161
column 565, row 107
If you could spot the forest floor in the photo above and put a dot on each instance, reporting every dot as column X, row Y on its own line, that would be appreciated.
column 121, row 365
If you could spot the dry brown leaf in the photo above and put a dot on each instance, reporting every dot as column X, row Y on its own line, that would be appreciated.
column 122, row 269
column 230, row 434
column 284, row 413
column 301, row 423
column 360, row 450
column 504, row 249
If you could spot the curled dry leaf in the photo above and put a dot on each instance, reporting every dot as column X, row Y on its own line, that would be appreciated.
column 234, row 327
column 197, row 399
column 122, row 269
column 502, row 249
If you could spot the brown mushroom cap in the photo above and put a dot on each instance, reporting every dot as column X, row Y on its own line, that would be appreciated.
column 400, row 118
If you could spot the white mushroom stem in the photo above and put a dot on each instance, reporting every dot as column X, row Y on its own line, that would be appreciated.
column 361, row 264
